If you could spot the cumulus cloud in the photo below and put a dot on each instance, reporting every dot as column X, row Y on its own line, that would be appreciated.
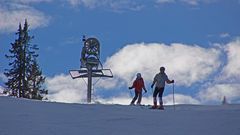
column 123, row 99
column 216, row 93
column 227, row 82
column 1, row 89
column 184, row 63
column 180, row 99
column 15, row 13
column 232, row 68
column 62, row 88
column 148, row 100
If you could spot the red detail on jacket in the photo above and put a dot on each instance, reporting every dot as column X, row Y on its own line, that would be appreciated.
column 138, row 84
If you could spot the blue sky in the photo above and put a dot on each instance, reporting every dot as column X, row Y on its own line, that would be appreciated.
column 135, row 36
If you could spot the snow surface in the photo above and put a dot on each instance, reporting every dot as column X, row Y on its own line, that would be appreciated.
column 26, row 117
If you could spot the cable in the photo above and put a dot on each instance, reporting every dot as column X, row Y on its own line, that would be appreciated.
column 85, row 82
column 96, row 81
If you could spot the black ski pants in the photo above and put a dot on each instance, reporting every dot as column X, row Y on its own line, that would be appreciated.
column 158, row 91
column 138, row 95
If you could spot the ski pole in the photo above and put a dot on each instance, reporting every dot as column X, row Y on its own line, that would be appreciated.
column 173, row 98
column 152, row 90
column 131, row 93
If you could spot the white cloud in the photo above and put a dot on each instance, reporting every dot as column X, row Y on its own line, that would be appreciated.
column 232, row 68
column 148, row 100
column 86, row 3
column 125, row 99
column 197, row 2
column 26, row 1
column 185, row 64
column 108, row 4
column 14, row 13
column 126, row 5
column 62, row 88
column 180, row 99
column 227, row 83
column 191, row 2
column 1, row 89
column 216, row 93
column 224, row 35
column 188, row 2
column 165, row 1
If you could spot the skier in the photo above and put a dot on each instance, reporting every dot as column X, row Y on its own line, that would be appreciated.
column 159, row 80
column 138, row 84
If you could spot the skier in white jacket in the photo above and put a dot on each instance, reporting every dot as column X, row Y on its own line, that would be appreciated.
column 159, row 82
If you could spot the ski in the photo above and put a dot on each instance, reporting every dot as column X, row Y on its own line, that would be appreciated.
column 157, row 107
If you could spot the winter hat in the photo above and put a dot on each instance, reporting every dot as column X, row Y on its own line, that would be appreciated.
column 162, row 68
column 138, row 74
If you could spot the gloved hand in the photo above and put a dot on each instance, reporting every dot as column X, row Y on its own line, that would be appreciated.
column 145, row 91
column 129, row 88
column 152, row 85
column 172, row 81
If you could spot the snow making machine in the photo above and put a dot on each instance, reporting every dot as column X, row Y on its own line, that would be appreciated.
column 91, row 65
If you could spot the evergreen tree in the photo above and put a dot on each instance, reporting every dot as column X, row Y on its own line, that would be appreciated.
column 15, row 75
column 24, row 77
column 35, row 81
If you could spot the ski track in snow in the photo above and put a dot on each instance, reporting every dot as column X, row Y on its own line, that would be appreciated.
column 26, row 117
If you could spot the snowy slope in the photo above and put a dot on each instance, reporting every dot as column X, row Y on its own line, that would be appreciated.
column 25, row 117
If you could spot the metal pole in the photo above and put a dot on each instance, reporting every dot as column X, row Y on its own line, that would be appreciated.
column 173, row 98
column 89, row 90
column 131, row 93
